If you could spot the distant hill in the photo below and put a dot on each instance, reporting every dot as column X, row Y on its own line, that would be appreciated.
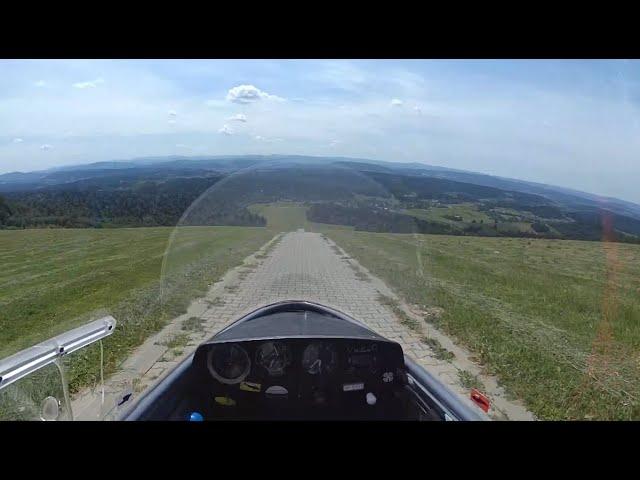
column 565, row 196
column 228, row 163
column 438, row 199
column 19, row 181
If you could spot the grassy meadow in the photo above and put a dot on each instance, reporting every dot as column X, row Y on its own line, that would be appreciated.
column 468, row 214
column 467, row 211
column 557, row 321
column 52, row 280
column 283, row 217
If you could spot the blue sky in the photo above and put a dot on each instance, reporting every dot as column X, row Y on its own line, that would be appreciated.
column 569, row 123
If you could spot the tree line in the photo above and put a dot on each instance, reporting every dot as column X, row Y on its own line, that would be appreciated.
column 143, row 204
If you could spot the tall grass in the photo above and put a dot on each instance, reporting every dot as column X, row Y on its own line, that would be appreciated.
column 557, row 321
column 54, row 280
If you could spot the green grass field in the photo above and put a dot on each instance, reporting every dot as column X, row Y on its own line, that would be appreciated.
column 557, row 321
column 467, row 211
column 283, row 217
column 470, row 213
column 52, row 280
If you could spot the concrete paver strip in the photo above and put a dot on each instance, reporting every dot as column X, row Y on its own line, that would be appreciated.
column 296, row 266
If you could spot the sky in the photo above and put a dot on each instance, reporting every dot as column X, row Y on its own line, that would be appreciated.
column 564, row 122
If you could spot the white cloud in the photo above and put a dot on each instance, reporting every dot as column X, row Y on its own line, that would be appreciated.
column 396, row 102
column 417, row 109
column 40, row 83
column 182, row 145
column 238, row 118
column 17, row 140
column 225, row 130
column 172, row 121
column 249, row 94
column 258, row 137
column 89, row 84
column 172, row 113
column 45, row 147
column 334, row 143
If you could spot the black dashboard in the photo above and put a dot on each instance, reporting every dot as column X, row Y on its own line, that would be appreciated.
column 316, row 377
column 297, row 360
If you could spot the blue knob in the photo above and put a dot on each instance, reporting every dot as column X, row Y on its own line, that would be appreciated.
column 196, row 417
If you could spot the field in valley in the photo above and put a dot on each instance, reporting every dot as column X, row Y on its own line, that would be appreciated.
column 466, row 212
column 558, row 322
column 52, row 280
column 464, row 215
column 283, row 217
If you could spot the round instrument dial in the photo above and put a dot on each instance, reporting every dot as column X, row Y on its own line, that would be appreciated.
column 274, row 357
column 229, row 363
column 319, row 358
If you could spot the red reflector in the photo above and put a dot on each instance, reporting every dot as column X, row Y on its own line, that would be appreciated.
column 479, row 399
